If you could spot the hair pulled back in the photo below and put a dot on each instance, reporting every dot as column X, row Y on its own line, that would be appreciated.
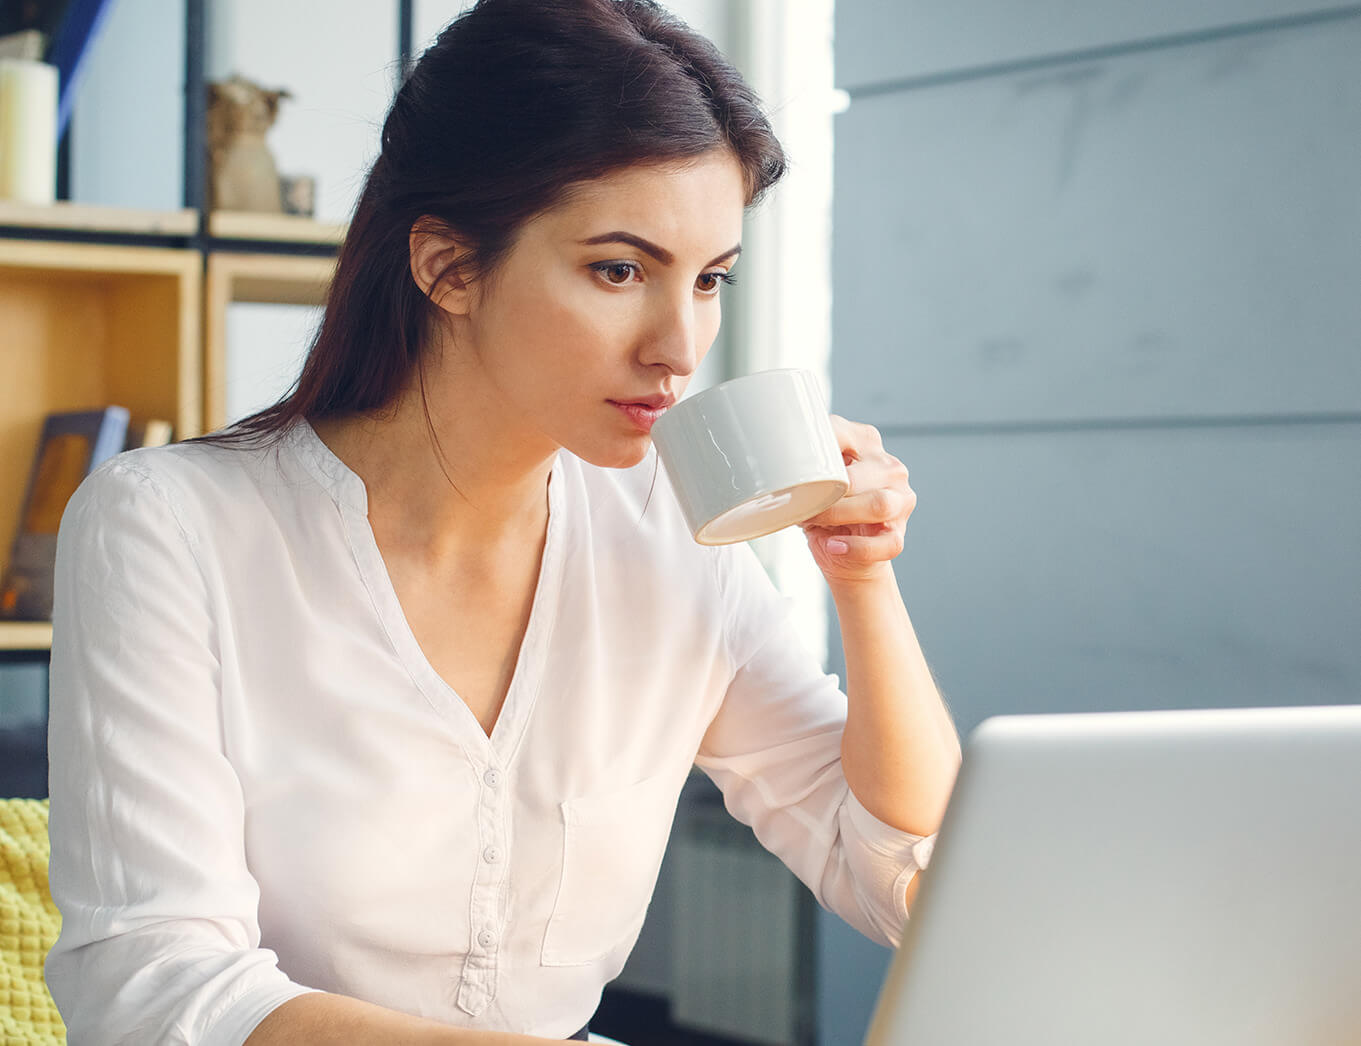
column 516, row 102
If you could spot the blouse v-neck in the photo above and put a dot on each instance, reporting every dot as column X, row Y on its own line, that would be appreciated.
column 350, row 495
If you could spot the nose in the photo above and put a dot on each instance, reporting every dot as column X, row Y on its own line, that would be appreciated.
column 672, row 338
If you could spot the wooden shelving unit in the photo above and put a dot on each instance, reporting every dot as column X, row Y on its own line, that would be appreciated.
column 101, row 305
column 293, row 280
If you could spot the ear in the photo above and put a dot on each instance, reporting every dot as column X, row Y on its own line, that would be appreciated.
column 272, row 99
column 435, row 253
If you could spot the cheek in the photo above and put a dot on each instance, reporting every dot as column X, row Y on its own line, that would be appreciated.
column 573, row 316
column 576, row 322
column 709, row 321
column 555, row 322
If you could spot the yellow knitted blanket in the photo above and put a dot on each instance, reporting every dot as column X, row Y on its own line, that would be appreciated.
column 28, row 926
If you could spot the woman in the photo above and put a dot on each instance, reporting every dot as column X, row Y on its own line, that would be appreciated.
column 370, row 716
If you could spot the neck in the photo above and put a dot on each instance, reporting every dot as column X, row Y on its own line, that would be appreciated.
column 442, row 484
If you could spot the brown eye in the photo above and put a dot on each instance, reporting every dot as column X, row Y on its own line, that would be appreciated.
column 710, row 282
column 616, row 273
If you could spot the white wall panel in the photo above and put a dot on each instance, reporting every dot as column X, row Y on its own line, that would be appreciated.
column 713, row 18
column 127, row 128
column 888, row 40
column 266, row 348
column 1162, row 234
column 428, row 17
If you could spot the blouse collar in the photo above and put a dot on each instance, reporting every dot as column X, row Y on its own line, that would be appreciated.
column 344, row 485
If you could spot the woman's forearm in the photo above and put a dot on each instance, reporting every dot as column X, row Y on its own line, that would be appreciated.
column 322, row 1019
column 900, row 751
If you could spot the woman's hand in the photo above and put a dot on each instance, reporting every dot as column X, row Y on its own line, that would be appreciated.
column 856, row 538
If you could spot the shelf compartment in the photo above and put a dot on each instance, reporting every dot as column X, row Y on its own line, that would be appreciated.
column 271, row 278
column 89, row 325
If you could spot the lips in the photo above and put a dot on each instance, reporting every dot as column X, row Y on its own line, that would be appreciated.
column 644, row 413
column 658, row 402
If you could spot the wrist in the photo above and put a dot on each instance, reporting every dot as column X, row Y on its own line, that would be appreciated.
column 878, row 579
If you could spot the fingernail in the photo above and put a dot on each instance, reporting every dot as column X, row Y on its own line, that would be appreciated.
column 836, row 546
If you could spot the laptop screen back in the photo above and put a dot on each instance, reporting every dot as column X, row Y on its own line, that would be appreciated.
column 1173, row 878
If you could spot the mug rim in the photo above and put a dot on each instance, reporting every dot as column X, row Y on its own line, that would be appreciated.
column 838, row 487
column 743, row 377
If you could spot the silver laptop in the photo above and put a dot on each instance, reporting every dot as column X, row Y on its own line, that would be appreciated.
column 1186, row 878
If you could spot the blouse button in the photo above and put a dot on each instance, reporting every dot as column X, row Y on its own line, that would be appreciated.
column 486, row 938
column 491, row 854
column 492, row 778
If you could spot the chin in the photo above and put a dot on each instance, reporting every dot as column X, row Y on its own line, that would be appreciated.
column 616, row 457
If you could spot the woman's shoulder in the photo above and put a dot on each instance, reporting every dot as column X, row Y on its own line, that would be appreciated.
column 179, row 467
column 195, row 478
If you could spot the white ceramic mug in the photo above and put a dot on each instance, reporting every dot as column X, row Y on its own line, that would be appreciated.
column 752, row 455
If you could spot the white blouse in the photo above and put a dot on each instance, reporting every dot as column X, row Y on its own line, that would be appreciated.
column 261, row 787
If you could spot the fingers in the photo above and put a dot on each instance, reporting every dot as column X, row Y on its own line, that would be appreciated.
column 858, row 536
column 858, row 549
column 880, row 505
column 855, row 438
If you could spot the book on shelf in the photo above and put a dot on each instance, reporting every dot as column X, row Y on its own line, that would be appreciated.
column 71, row 446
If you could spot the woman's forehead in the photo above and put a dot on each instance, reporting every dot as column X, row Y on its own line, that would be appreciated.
column 691, row 204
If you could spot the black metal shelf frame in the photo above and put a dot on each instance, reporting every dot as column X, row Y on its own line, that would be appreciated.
column 195, row 189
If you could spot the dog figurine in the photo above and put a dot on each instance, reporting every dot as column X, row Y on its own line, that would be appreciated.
column 243, row 176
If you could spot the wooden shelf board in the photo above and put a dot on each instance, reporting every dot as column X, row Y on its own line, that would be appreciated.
column 29, row 258
column 25, row 635
column 87, row 217
column 284, row 228
column 272, row 278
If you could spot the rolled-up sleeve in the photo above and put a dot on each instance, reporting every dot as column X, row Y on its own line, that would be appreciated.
column 160, row 941
column 774, row 749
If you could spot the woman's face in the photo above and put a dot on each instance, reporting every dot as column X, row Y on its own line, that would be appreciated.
column 606, row 301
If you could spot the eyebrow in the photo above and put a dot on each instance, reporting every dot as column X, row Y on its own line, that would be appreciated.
column 647, row 247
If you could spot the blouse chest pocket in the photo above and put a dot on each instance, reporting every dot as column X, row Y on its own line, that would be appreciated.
column 612, row 850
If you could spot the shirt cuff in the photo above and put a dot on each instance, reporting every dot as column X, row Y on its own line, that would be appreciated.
column 235, row 1024
column 898, row 855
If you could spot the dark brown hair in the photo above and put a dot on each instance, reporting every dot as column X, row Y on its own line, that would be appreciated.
column 515, row 103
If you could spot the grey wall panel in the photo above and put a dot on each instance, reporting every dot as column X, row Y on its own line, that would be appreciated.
column 1196, row 567
column 23, row 694
column 1162, row 234
column 1078, row 248
column 851, row 969
column 888, row 40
